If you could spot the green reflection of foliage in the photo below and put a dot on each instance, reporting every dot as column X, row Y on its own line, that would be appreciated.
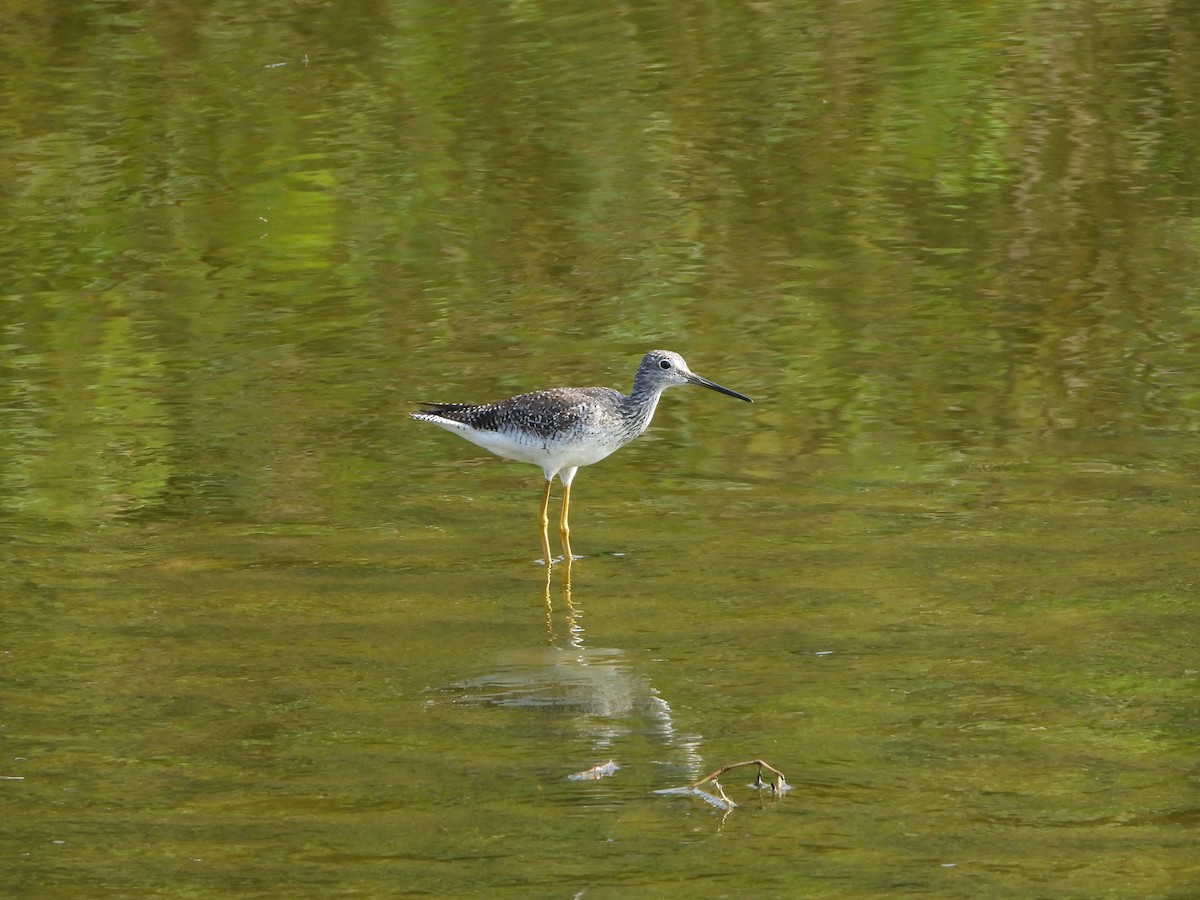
column 957, row 224
column 86, row 431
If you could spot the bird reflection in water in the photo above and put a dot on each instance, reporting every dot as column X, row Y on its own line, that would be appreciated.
column 597, row 691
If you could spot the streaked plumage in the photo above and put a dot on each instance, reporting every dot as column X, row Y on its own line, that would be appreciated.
column 562, row 429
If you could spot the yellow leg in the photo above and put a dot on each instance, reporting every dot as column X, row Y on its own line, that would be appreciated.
column 564, row 530
column 545, row 522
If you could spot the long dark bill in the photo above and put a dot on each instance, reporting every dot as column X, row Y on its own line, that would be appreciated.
column 713, row 386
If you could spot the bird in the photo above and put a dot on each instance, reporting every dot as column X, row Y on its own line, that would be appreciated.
column 563, row 429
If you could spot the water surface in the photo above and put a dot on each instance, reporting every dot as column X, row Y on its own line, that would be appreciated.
column 264, row 634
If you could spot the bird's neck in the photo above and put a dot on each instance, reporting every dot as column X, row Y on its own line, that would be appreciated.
column 643, row 402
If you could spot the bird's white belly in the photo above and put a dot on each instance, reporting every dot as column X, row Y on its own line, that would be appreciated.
column 528, row 448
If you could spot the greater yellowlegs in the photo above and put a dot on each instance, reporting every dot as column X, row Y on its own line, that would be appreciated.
column 561, row 429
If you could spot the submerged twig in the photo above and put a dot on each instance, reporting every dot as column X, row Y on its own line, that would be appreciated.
column 778, row 785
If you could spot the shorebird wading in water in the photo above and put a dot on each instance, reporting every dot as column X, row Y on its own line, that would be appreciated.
column 561, row 429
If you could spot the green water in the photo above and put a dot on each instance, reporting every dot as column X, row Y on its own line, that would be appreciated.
column 264, row 635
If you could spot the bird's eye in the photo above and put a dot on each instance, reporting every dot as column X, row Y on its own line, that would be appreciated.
column 664, row 364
